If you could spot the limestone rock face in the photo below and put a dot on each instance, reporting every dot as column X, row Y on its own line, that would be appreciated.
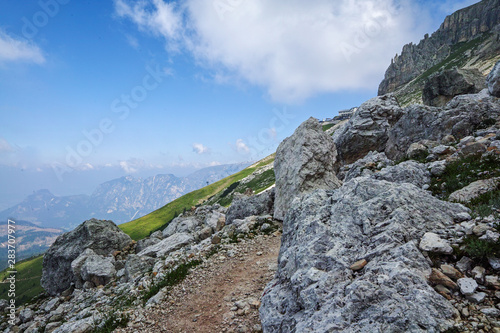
column 102, row 237
column 245, row 206
column 440, row 88
column 462, row 26
column 459, row 118
column 367, row 130
column 405, row 172
column 304, row 162
column 366, row 166
column 493, row 80
column 326, row 231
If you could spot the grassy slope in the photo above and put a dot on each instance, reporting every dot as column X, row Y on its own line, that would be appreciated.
column 142, row 227
column 29, row 273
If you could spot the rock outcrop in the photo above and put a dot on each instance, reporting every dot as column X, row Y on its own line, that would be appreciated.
column 367, row 130
column 461, row 26
column 304, row 162
column 102, row 237
column 460, row 118
column 440, row 88
column 325, row 232
column 493, row 80
column 245, row 206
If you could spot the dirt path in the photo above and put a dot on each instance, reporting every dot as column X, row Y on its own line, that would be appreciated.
column 221, row 295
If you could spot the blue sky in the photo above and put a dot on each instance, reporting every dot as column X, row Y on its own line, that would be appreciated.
column 92, row 90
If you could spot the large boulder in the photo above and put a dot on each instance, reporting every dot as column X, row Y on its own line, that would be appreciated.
column 137, row 264
column 244, row 206
column 440, row 88
column 325, row 232
column 493, row 80
column 461, row 117
column 366, row 166
column 406, row 172
column 102, row 237
column 367, row 130
column 304, row 162
column 167, row 245
column 98, row 269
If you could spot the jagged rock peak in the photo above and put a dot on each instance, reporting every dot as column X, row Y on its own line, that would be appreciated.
column 461, row 26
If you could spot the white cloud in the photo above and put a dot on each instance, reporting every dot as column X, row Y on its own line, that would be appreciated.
column 241, row 146
column 133, row 165
column 155, row 16
column 12, row 49
column 5, row 146
column 294, row 49
column 199, row 148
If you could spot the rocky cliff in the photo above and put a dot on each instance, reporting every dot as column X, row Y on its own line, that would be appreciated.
column 467, row 38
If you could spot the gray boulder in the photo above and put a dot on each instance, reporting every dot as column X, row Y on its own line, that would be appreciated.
column 440, row 88
column 366, row 166
column 98, row 269
column 103, row 237
column 76, row 267
column 325, row 232
column 26, row 315
column 405, row 172
column 460, row 118
column 182, row 225
column 244, row 206
column 146, row 242
column 304, row 161
column 167, row 245
column 367, row 130
column 493, row 80
column 136, row 264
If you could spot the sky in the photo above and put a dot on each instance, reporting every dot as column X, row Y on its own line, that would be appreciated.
column 94, row 90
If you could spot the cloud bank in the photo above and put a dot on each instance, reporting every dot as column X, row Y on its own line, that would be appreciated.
column 293, row 49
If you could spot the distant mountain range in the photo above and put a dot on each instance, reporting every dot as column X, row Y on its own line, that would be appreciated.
column 120, row 200
column 30, row 240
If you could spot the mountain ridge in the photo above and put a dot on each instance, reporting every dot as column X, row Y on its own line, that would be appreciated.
column 120, row 199
column 476, row 25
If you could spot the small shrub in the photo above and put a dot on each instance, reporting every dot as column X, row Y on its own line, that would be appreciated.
column 480, row 249
column 462, row 172
column 327, row 127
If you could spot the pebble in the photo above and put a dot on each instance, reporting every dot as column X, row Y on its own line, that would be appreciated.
column 358, row 265
column 467, row 286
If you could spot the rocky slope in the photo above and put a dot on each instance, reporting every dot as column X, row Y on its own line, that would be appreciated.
column 469, row 38
column 382, row 253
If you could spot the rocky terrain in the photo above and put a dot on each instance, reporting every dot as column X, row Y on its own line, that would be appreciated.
column 387, row 222
column 469, row 38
